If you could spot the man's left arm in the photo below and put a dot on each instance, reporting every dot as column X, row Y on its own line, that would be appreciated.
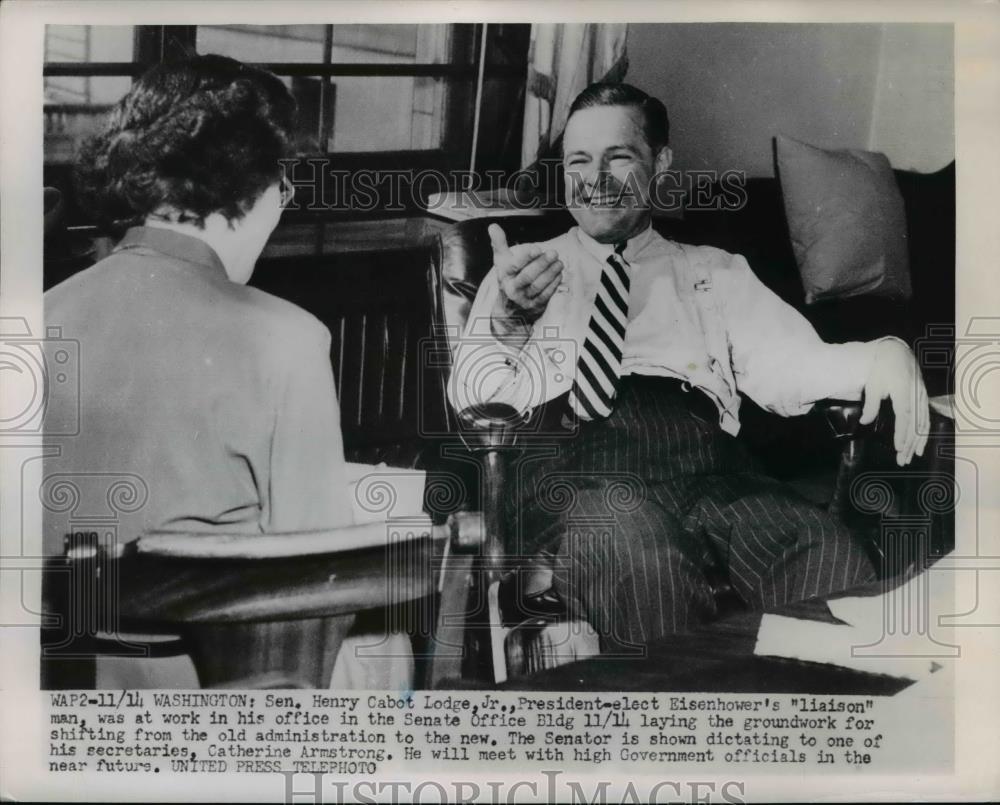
column 784, row 366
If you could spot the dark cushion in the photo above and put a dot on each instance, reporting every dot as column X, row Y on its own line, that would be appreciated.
column 929, row 199
column 861, row 318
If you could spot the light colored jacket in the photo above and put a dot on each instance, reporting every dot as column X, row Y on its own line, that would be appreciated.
column 214, row 402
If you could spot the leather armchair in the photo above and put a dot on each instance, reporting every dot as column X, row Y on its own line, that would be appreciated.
column 459, row 261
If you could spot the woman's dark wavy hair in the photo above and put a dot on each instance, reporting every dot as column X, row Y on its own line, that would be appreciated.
column 200, row 136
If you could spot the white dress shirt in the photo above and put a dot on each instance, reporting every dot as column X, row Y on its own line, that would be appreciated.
column 696, row 313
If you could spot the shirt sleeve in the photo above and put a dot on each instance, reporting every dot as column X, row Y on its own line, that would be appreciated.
column 778, row 359
column 486, row 370
column 308, row 479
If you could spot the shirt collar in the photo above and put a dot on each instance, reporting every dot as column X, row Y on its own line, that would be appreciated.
column 602, row 251
column 173, row 244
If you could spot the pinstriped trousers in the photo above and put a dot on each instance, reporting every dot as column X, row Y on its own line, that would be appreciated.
column 636, row 509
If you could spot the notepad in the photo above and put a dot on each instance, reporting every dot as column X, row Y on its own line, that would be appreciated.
column 832, row 644
column 890, row 633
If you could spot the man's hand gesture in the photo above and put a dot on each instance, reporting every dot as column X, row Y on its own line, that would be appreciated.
column 527, row 278
column 895, row 374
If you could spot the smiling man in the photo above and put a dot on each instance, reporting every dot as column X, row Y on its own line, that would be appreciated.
column 640, row 347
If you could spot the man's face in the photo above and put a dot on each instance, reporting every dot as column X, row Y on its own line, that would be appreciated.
column 609, row 166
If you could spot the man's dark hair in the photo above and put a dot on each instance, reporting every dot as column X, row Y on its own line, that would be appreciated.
column 200, row 136
column 656, row 125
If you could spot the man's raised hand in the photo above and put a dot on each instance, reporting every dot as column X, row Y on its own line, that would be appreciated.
column 527, row 278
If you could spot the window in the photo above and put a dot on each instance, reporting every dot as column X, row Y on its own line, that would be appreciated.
column 361, row 88
column 378, row 96
column 357, row 113
column 76, row 104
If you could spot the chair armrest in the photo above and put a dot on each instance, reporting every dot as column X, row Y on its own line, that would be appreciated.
column 209, row 545
column 842, row 416
column 207, row 578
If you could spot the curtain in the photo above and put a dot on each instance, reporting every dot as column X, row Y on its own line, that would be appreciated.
column 562, row 60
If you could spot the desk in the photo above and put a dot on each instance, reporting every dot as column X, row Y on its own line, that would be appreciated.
column 716, row 659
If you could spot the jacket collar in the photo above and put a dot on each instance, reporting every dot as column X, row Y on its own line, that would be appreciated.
column 173, row 244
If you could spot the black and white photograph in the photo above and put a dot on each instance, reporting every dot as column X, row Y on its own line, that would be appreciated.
column 474, row 394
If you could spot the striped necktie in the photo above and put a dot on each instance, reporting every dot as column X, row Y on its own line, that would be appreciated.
column 599, row 366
